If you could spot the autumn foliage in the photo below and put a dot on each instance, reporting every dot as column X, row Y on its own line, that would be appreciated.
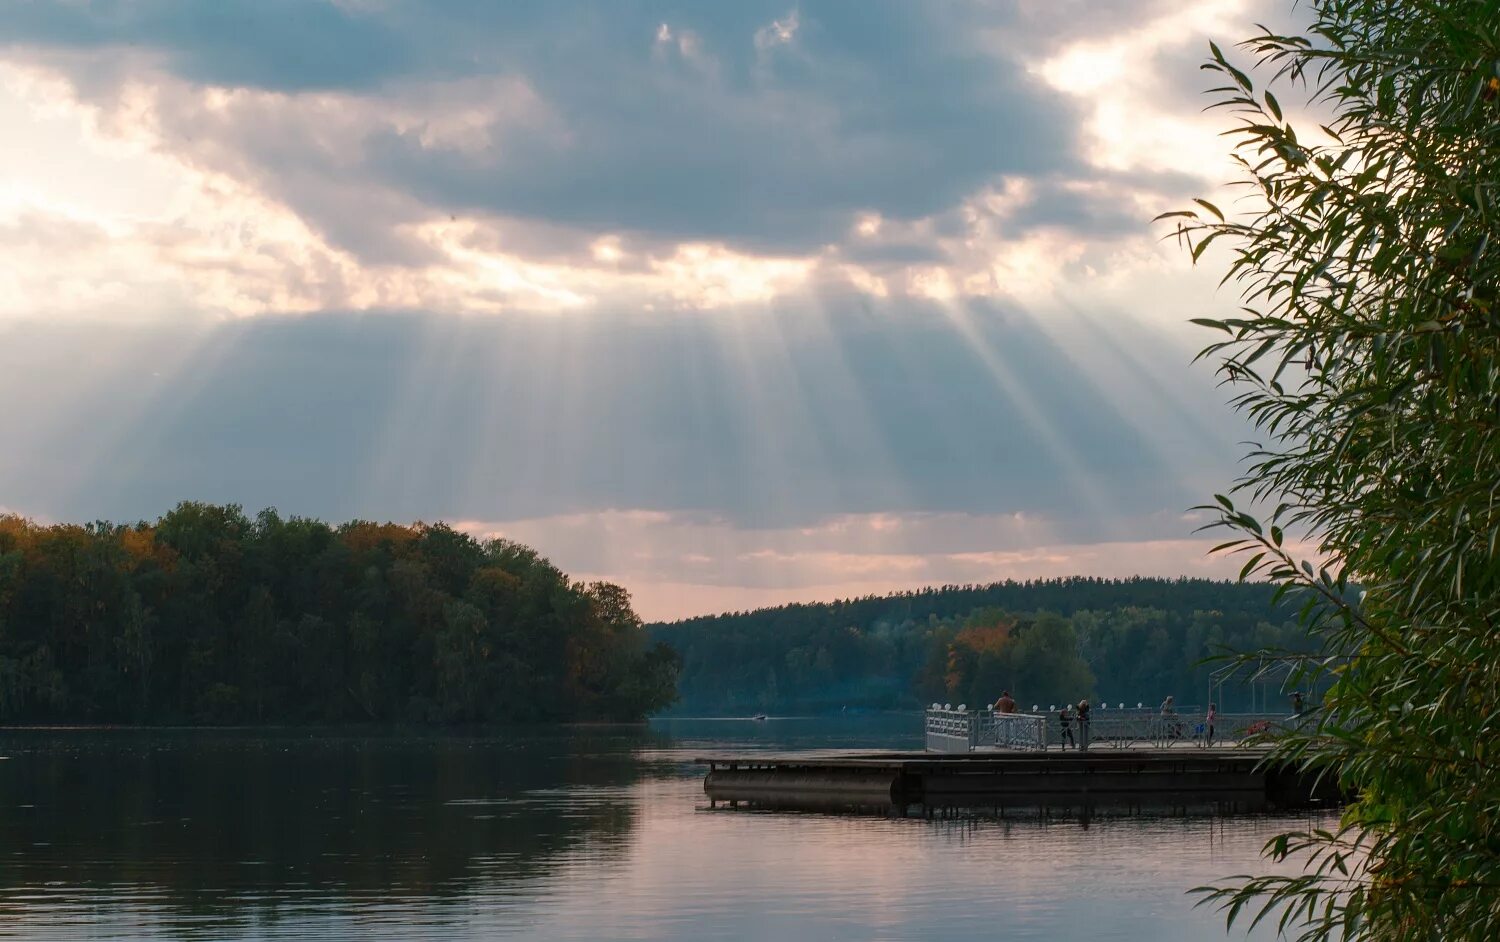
column 207, row 616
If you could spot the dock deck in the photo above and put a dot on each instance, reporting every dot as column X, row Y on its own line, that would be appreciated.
column 1224, row 778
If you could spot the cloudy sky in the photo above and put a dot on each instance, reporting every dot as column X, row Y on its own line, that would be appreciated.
column 731, row 303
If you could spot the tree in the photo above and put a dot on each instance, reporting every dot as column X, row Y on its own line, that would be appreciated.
column 1048, row 668
column 207, row 616
column 1140, row 638
column 1368, row 355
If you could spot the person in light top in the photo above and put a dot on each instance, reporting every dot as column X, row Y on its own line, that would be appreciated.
column 1006, row 703
column 1171, row 727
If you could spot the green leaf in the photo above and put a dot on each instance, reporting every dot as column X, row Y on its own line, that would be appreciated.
column 1362, row 265
column 1210, row 207
column 1250, row 565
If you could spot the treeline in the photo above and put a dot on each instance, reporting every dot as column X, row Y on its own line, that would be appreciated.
column 1124, row 640
column 207, row 616
column 975, row 659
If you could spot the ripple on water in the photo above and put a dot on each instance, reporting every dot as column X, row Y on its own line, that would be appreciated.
column 563, row 836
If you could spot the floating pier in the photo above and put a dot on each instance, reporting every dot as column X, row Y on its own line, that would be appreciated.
column 1218, row 779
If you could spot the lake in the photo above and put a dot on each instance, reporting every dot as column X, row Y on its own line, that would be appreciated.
column 577, row 833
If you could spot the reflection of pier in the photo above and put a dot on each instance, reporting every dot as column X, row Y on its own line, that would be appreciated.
column 1217, row 779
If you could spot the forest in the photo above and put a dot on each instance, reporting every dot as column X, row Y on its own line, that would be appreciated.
column 1047, row 641
column 209, row 617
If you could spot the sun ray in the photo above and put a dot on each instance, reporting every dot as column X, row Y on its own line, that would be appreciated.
column 1081, row 479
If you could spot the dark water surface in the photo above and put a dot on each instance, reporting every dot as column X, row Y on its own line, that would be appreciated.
column 600, row 833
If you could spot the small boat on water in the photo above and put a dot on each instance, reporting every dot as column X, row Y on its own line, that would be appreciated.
column 759, row 718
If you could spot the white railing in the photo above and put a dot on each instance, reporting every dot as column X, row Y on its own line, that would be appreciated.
column 1013, row 730
column 950, row 730
column 1123, row 729
column 958, row 729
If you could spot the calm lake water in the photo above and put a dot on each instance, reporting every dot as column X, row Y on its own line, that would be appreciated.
column 588, row 834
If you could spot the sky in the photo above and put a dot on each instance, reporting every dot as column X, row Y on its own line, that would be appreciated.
column 733, row 304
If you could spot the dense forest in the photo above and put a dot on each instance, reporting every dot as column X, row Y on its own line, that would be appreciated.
column 208, row 616
column 1131, row 640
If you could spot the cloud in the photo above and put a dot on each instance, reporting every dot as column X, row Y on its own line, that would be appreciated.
column 677, row 566
column 769, row 297
column 471, row 110
column 780, row 32
column 1142, row 88
column 278, row 44
column 472, row 157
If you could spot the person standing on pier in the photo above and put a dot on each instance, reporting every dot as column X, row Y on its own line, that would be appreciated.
column 1083, row 725
column 1066, row 719
column 1171, row 728
column 1006, row 703
column 1208, row 724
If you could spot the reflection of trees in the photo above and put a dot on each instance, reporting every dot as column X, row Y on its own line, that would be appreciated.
column 217, row 819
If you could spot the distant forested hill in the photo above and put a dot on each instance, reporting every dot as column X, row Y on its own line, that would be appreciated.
column 207, row 616
column 1123, row 640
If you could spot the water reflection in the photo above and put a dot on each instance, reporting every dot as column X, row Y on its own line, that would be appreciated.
column 573, row 834
column 211, row 822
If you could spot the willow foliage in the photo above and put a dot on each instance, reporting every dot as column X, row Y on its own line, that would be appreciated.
column 1367, row 354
